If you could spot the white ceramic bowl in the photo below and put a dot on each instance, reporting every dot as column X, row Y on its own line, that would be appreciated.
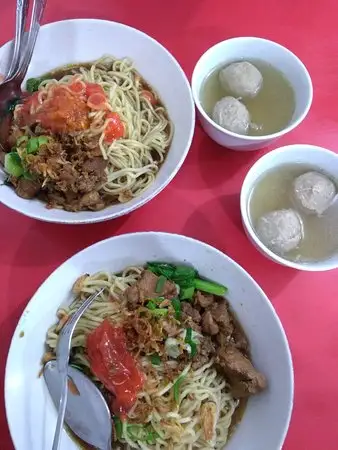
column 300, row 153
column 30, row 412
column 278, row 56
column 85, row 40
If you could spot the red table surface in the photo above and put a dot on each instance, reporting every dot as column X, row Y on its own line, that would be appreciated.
column 203, row 199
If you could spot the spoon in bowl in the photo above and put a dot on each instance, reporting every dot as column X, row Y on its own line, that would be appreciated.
column 87, row 413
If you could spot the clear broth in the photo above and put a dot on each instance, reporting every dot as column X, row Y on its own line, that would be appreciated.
column 271, row 109
column 274, row 191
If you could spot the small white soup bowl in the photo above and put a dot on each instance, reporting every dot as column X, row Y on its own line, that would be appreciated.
column 279, row 57
column 318, row 157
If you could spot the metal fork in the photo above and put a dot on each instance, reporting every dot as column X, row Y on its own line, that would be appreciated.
column 62, row 358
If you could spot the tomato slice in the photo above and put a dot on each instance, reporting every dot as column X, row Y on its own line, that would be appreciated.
column 97, row 101
column 93, row 88
column 149, row 96
column 115, row 127
column 114, row 366
column 78, row 87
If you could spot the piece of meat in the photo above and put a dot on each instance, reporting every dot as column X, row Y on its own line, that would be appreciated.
column 240, row 340
column 206, row 351
column 170, row 328
column 244, row 379
column 27, row 188
column 221, row 315
column 203, row 300
column 188, row 310
column 209, row 325
column 96, row 165
column 92, row 200
column 145, row 288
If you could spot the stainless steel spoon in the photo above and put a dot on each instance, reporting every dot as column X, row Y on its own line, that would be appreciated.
column 87, row 413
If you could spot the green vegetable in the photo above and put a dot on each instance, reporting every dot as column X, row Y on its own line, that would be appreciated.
column 187, row 293
column 156, row 299
column 21, row 139
column 151, row 305
column 118, row 427
column 13, row 164
column 155, row 359
column 35, row 142
column 159, row 268
column 177, row 386
column 160, row 312
column 142, row 433
column 28, row 176
column 177, row 307
column 160, row 284
column 189, row 341
column 32, row 84
column 210, row 287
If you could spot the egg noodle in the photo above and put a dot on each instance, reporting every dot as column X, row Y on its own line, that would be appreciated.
column 177, row 427
column 135, row 159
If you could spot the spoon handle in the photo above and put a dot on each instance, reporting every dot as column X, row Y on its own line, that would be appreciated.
column 38, row 10
column 20, row 22
column 61, row 412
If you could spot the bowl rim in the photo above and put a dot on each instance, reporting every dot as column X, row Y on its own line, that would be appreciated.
column 210, row 248
column 147, row 197
column 245, row 137
column 318, row 266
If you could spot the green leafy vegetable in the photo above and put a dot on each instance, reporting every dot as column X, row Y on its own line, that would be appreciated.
column 21, row 139
column 160, row 312
column 13, row 164
column 32, row 84
column 187, row 293
column 151, row 305
column 177, row 307
column 118, row 427
column 155, row 359
column 35, row 143
column 189, row 340
column 159, row 268
column 177, row 386
column 160, row 284
column 210, row 287
column 28, row 176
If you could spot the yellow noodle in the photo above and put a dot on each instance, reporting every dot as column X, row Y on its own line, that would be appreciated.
column 178, row 427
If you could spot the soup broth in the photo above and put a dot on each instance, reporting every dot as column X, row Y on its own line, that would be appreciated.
column 273, row 191
column 271, row 109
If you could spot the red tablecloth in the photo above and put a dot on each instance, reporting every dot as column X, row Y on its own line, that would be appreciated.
column 203, row 200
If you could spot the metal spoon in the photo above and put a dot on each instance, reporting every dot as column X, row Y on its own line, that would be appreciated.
column 87, row 412
column 10, row 89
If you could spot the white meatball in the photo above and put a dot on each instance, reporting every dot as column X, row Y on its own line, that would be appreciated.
column 314, row 192
column 281, row 230
column 231, row 114
column 242, row 79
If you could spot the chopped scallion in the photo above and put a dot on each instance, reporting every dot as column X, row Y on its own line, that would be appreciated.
column 155, row 359
column 177, row 307
column 177, row 386
column 187, row 293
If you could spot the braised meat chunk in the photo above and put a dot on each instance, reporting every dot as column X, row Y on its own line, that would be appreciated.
column 145, row 288
column 244, row 379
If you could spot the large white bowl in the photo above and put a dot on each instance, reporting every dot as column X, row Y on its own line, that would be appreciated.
column 30, row 412
column 319, row 157
column 275, row 54
column 85, row 40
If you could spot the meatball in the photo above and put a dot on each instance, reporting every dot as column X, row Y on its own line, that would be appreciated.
column 242, row 79
column 280, row 230
column 314, row 192
column 231, row 114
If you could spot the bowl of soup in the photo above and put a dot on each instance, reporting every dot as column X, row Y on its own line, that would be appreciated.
column 289, row 207
column 250, row 91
